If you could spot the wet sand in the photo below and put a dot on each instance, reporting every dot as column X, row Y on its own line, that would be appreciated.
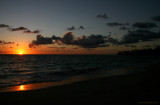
column 136, row 88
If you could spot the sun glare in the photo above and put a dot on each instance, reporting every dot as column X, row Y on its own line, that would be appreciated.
column 20, row 53
column 21, row 87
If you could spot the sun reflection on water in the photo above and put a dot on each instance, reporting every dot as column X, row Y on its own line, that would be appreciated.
column 27, row 87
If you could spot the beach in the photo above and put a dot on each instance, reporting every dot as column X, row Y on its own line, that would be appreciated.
column 138, row 88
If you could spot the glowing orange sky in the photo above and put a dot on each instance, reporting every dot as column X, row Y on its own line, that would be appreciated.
column 24, row 49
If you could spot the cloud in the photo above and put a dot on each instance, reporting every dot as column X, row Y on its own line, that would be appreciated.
column 24, row 29
column 92, row 41
column 19, row 29
column 40, row 41
column 8, row 42
column 156, row 18
column 102, row 16
column 4, row 42
column 68, row 38
column 71, row 28
column 139, row 35
column 74, row 28
column 95, row 41
column 36, row 31
column 112, row 40
column 117, row 24
column 3, row 25
column 81, row 27
column 144, row 25
column 123, row 28
column 29, row 31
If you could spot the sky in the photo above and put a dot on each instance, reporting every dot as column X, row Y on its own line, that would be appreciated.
column 78, row 26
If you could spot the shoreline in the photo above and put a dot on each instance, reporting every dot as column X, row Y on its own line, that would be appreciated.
column 128, row 89
column 74, row 79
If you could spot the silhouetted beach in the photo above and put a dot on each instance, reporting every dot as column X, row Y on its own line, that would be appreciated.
column 135, row 88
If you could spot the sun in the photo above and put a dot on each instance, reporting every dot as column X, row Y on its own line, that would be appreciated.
column 20, row 53
column 21, row 87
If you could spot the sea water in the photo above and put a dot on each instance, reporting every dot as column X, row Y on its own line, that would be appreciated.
column 26, row 69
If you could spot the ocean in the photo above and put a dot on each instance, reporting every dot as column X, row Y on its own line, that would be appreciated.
column 25, row 69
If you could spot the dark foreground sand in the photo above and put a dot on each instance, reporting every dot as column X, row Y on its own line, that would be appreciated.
column 133, row 89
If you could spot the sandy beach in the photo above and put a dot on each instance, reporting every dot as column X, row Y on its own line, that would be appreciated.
column 138, row 88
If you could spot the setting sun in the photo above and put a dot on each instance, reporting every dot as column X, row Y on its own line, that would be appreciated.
column 21, row 87
column 21, row 51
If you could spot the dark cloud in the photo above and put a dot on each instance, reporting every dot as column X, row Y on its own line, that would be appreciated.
column 1, row 41
column 144, row 25
column 19, row 29
column 8, row 42
column 103, row 16
column 55, row 37
column 36, row 32
column 4, row 42
column 40, row 41
column 71, row 28
column 112, row 40
column 81, row 27
column 68, row 38
column 29, row 31
column 3, row 25
column 24, row 29
column 117, row 24
column 139, row 35
column 92, row 41
column 123, row 28
column 156, row 18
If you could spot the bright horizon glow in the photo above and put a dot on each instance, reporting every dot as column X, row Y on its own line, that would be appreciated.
column 20, row 52
column 21, row 87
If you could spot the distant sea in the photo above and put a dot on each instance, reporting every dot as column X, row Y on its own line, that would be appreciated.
column 26, row 69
